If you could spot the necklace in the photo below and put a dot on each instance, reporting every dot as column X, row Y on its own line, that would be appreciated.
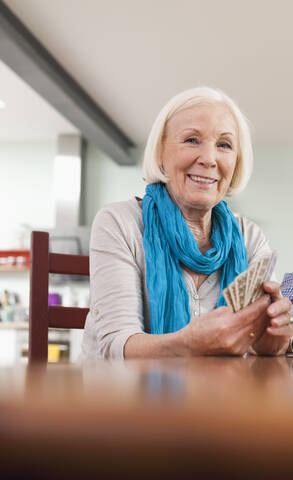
column 198, row 278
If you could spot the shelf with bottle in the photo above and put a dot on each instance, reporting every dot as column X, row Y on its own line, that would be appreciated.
column 12, row 311
column 14, row 260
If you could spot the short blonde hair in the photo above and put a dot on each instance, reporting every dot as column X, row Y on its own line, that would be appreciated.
column 195, row 96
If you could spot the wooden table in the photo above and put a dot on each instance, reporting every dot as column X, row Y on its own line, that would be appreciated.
column 202, row 418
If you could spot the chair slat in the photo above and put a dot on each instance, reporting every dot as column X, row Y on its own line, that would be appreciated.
column 67, row 317
column 68, row 264
column 38, row 316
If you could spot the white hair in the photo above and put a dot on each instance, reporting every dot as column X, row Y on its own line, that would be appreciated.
column 152, row 157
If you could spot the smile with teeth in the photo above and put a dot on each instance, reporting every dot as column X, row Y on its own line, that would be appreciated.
column 197, row 178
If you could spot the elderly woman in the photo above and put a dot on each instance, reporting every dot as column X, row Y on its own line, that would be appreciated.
column 159, row 265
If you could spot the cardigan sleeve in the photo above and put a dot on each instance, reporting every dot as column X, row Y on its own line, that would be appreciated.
column 116, row 300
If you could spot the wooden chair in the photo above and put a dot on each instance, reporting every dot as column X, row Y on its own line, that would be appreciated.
column 42, row 316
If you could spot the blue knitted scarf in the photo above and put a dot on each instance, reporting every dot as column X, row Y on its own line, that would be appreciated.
column 168, row 241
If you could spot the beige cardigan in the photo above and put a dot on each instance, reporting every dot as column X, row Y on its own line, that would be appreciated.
column 119, row 305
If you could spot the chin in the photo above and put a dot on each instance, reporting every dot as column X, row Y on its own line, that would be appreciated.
column 202, row 202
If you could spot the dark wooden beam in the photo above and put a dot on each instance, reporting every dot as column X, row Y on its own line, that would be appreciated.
column 29, row 59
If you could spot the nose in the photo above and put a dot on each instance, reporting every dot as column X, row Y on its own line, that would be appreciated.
column 207, row 156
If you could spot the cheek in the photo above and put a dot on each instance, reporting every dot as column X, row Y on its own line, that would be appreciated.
column 174, row 161
column 229, row 167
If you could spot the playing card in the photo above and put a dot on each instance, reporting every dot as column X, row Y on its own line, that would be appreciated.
column 227, row 296
column 271, row 266
column 249, row 282
column 259, row 278
column 248, row 286
column 233, row 293
column 240, row 283
column 253, row 280
column 287, row 288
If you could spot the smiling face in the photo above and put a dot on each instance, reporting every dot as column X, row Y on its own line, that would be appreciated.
column 199, row 154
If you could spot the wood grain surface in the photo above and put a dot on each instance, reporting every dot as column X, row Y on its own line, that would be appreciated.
column 205, row 418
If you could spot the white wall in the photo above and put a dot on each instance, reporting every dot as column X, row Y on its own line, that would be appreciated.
column 25, row 198
column 108, row 182
column 26, row 190
column 268, row 200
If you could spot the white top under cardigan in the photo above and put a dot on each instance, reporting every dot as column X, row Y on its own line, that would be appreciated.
column 119, row 305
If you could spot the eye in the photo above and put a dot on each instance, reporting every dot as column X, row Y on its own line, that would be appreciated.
column 193, row 140
column 225, row 145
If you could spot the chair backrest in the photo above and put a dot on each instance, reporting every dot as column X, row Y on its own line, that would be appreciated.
column 41, row 315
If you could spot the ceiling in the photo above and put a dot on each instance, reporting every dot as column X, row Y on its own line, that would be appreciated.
column 27, row 116
column 132, row 55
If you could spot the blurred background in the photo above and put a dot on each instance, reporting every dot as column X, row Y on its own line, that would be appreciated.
column 81, row 82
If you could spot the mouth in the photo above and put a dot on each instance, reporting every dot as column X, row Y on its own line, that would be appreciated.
column 202, row 180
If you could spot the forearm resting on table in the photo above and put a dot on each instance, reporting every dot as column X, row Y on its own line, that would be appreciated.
column 145, row 345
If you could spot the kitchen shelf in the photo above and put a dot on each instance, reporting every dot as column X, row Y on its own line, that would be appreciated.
column 14, row 260
column 13, row 268
column 14, row 325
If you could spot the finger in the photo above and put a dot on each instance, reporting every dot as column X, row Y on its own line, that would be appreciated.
column 251, row 351
column 285, row 331
column 281, row 320
column 253, row 331
column 278, row 307
column 273, row 288
column 258, row 327
column 251, row 313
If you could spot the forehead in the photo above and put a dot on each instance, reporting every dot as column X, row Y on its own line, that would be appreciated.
column 214, row 117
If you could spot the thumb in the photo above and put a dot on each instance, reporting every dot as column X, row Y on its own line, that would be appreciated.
column 273, row 288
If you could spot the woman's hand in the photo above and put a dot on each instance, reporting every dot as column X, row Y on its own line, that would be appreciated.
column 222, row 332
column 275, row 338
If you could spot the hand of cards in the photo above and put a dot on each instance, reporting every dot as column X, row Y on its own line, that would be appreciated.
column 248, row 286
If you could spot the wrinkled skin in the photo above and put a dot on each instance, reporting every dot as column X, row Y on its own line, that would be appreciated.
column 275, row 339
column 222, row 332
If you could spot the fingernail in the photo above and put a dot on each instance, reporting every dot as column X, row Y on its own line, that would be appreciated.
column 272, row 310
